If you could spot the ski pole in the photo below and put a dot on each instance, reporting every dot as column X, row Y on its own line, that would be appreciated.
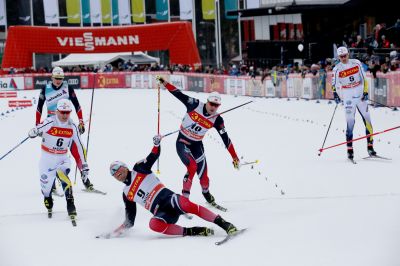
column 233, row 108
column 19, row 144
column 334, row 111
column 87, row 141
column 366, row 136
column 384, row 105
column 158, row 122
column 248, row 163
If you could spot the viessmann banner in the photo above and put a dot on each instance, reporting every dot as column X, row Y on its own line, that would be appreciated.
column 177, row 37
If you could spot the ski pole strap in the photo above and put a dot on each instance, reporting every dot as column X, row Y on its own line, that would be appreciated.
column 357, row 139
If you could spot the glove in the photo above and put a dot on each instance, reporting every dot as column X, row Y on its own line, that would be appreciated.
column 157, row 140
column 236, row 163
column 33, row 133
column 160, row 79
column 365, row 97
column 81, row 127
column 336, row 97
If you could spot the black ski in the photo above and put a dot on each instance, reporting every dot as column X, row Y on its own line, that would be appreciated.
column 73, row 220
column 229, row 237
column 219, row 207
column 377, row 157
column 94, row 191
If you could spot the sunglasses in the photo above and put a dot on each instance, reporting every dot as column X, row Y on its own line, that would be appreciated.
column 58, row 78
column 214, row 104
column 64, row 112
column 114, row 169
column 343, row 56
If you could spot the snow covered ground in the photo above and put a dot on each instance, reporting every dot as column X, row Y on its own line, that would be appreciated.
column 300, row 209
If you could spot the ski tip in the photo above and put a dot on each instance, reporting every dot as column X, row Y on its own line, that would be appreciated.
column 257, row 161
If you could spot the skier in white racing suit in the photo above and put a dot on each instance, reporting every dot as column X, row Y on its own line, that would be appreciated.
column 349, row 78
column 58, row 132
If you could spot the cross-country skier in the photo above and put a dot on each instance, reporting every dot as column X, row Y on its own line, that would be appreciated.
column 199, row 118
column 142, row 186
column 58, row 132
column 50, row 94
column 349, row 77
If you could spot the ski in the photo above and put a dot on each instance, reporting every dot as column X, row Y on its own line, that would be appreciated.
column 73, row 220
column 94, row 191
column 377, row 157
column 49, row 213
column 229, row 237
column 219, row 207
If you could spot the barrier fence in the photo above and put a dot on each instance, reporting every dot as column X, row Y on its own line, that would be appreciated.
column 384, row 89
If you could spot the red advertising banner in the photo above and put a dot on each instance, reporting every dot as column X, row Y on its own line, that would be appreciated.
column 111, row 80
column 8, row 94
column 282, row 31
column 177, row 37
column 19, row 103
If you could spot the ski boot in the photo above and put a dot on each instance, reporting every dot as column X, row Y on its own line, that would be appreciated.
column 209, row 198
column 88, row 185
column 350, row 153
column 229, row 228
column 71, row 206
column 198, row 231
column 48, row 202
column 371, row 151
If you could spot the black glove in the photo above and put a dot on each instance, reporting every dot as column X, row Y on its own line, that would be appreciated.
column 160, row 79
column 157, row 140
column 336, row 97
column 81, row 127
column 365, row 97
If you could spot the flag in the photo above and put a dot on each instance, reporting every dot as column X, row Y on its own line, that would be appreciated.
column 106, row 11
column 50, row 11
column 24, row 13
column 253, row 4
column 95, row 11
column 208, row 8
column 162, row 9
column 115, row 14
column 185, row 10
column 86, row 11
column 229, row 6
column 73, row 11
column 3, row 19
column 124, row 15
column 138, row 12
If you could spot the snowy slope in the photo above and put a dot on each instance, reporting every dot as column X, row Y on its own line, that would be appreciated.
column 300, row 209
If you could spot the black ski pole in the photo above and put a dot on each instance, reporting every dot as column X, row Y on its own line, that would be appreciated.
column 19, row 144
column 322, row 148
column 87, row 141
column 233, row 108
column 394, row 108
